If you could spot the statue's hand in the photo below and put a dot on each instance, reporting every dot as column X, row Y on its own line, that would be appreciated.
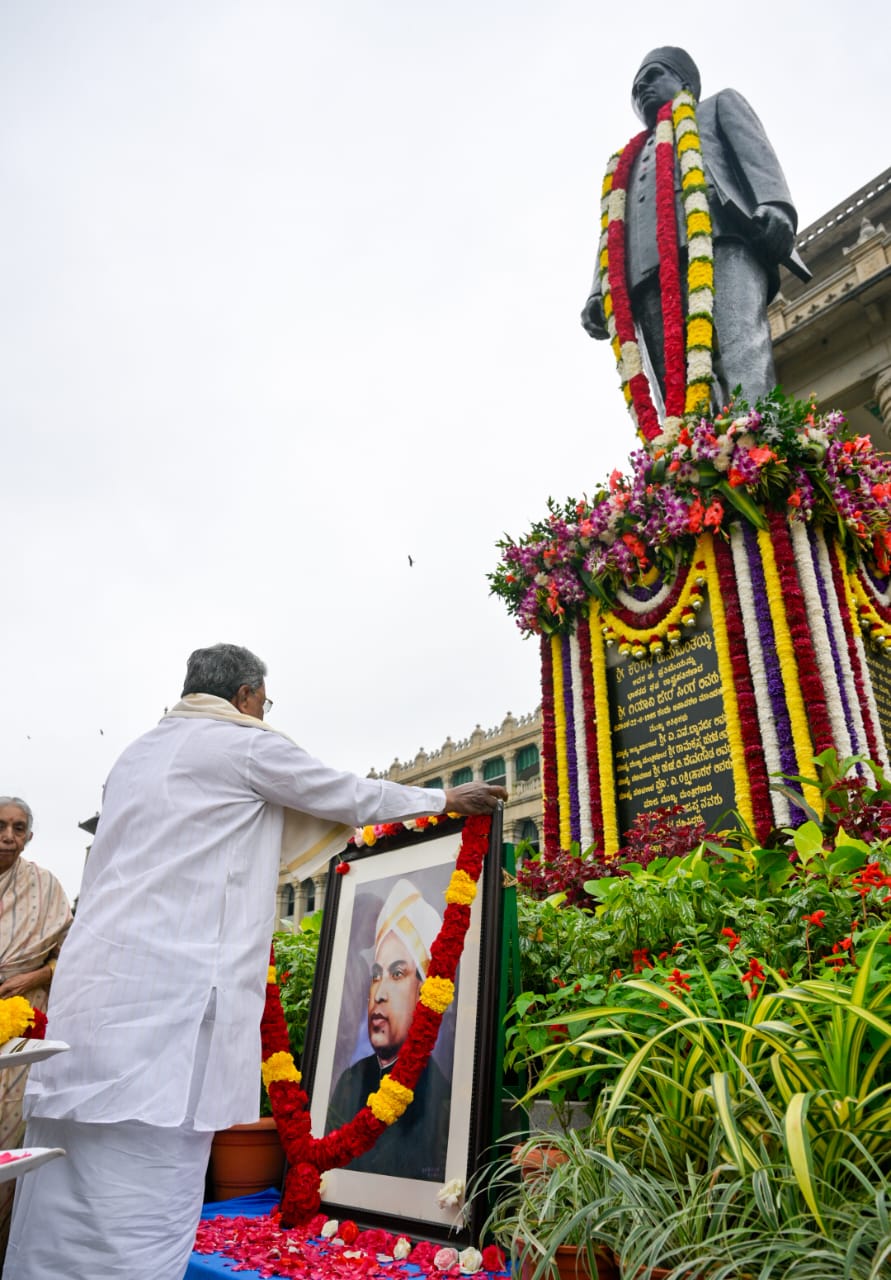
column 593, row 319
column 774, row 230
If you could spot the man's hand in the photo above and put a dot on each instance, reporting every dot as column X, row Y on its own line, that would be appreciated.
column 593, row 319
column 773, row 230
column 473, row 797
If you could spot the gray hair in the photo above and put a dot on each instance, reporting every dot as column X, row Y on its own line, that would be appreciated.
column 20, row 804
column 222, row 669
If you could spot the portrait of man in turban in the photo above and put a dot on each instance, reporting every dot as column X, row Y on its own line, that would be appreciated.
column 398, row 959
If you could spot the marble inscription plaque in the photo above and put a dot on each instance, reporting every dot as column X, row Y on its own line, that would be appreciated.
column 669, row 730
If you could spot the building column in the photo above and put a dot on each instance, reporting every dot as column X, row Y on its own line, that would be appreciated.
column 299, row 902
column 319, row 883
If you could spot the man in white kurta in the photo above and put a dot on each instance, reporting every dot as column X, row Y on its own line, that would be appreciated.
column 160, row 987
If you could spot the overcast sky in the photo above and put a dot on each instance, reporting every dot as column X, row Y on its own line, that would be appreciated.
column 290, row 293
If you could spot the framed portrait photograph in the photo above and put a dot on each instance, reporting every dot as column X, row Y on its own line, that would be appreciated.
column 379, row 922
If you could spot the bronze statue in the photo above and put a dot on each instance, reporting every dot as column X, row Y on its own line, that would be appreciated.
column 753, row 224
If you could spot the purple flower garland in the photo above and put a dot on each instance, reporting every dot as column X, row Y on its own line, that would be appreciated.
column 775, row 686
column 841, row 685
column 572, row 765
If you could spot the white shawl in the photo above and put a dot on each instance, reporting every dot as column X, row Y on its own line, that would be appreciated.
column 306, row 841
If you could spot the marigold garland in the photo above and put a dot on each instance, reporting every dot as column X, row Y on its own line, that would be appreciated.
column 652, row 633
column 687, row 362
column 437, row 994
column 604, row 737
column 845, row 595
column 18, row 1019
column 795, row 703
column 734, row 728
column 279, row 1066
column 309, row 1157
column 592, row 750
column 461, row 888
column 390, row 1100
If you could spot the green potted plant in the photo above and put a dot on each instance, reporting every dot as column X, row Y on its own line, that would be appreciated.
column 552, row 1208
column 249, row 1157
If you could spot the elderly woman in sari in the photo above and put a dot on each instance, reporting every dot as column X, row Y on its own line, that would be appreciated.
column 34, row 917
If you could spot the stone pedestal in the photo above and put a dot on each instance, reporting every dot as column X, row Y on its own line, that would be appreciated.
column 701, row 690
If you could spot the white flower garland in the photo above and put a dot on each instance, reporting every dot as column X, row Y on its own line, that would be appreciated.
column 820, row 635
column 586, row 828
column 836, row 622
column 770, row 741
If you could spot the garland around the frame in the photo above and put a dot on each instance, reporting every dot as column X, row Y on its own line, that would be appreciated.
column 310, row 1157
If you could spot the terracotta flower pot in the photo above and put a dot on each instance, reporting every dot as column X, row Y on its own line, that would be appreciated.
column 571, row 1263
column 532, row 1161
column 246, row 1158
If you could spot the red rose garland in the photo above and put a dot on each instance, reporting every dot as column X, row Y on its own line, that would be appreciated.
column 309, row 1157
column 669, row 268
column 759, row 783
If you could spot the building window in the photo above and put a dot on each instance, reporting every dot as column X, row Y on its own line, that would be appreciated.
column 433, row 782
column 288, row 901
column 460, row 776
column 494, row 771
column 528, row 831
column 309, row 896
column 528, row 763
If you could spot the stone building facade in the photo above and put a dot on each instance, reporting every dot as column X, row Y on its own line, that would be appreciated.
column 832, row 335
column 509, row 754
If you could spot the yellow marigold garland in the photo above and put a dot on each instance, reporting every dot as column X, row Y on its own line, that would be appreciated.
column 635, row 640
column 437, row 994
column 700, row 253
column 462, row 889
column 279, row 1066
column 872, row 624
column 563, row 805
column 604, row 736
column 16, row 1016
column 390, row 1100
column 741, row 783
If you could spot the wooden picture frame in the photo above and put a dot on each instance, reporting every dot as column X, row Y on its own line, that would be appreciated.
column 399, row 1185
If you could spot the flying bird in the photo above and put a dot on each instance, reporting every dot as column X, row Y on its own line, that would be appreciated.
column 410, row 562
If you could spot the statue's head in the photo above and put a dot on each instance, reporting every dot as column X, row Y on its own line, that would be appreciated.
column 661, row 76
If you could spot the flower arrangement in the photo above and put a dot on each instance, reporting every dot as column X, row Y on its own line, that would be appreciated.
column 780, row 455
column 19, row 1019
column 309, row 1157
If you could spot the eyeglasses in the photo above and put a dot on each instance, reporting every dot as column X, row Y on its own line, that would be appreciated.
column 267, row 706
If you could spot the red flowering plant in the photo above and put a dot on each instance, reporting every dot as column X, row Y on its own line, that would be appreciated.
column 716, row 922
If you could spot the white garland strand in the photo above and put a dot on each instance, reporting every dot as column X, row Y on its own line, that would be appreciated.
column 770, row 741
column 857, row 728
column 817, row 622
column 586, row 827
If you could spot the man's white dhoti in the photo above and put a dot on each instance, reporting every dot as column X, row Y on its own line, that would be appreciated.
column 123, row 1205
